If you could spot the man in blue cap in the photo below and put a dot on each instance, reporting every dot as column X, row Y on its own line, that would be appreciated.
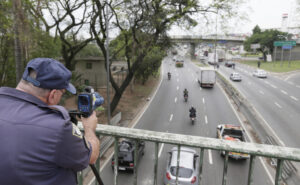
column 39, row 143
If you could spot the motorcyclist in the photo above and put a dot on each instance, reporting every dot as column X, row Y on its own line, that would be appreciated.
column 169, row 75
column 192, row 112
column 185, row 92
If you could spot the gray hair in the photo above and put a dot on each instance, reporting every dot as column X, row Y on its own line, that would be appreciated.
column 30, row 88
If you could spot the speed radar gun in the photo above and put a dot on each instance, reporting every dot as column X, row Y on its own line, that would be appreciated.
column 88, row 101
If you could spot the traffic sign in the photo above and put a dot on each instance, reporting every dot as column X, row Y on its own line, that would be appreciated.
column 285, row 43
column 255, row 46
column 287, row 47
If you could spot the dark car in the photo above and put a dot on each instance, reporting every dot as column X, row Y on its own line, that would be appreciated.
column 126, row 154
column 229, row 64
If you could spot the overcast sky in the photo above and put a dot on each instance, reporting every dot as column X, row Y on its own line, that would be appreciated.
column 264, row 13
column 268, row 13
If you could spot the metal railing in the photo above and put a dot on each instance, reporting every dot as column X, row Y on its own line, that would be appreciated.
column 203, row 143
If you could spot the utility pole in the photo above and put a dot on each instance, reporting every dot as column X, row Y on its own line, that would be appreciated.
column 107, row 65
column 216, row 40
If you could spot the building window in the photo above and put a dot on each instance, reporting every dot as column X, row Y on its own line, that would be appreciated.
column 86, row 82
column 89, row 65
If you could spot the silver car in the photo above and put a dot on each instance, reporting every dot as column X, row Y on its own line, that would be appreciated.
column 235, row 77
column 188, row 167
column 260, row 73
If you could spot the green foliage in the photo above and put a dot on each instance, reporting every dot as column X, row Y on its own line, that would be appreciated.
column 265, row 39
column 150, row 64
column 90, row 50
column 44, row 45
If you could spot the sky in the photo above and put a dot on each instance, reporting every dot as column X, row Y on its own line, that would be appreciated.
column 266, row 14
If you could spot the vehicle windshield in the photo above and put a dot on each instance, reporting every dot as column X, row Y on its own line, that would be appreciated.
column 183, row 172
column 232, row 132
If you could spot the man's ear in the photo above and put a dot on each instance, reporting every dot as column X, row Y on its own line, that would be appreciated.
column 51, row 98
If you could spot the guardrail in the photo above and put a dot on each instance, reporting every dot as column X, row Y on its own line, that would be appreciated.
column 202, row 143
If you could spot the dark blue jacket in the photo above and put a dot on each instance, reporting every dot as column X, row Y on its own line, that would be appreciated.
column 39, row 144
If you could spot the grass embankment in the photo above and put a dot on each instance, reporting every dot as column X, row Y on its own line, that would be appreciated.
column 199, row 63
column 277, row 66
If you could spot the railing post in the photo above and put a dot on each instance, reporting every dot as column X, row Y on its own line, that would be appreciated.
column 177, row 167
column 80, row 178
column 116, row 146
column 225, row 168
column 278, row 171
column 155, row 163
column 200, row 165
column 251, row 167
column 98, row 163
column 136, row 149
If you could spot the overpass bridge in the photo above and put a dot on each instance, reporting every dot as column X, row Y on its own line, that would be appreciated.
column 197, row 41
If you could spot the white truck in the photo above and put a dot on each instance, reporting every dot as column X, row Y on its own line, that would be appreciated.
column 207, row 77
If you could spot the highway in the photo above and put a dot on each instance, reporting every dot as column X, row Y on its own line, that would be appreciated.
column 169, row 113
column 277, row 101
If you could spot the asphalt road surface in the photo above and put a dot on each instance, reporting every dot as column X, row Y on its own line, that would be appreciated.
column 169, row 113
column 277, row 100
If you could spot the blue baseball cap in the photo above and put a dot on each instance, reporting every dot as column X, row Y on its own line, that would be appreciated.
column 51, row 74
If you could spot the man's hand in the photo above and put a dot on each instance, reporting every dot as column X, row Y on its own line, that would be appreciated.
column 89, row 125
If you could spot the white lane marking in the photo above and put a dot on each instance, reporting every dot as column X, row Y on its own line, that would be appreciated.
column 177, row 88
column 203, row 100
column 261, row 92
column 249, row 83
column 206, row 121
column 175, row 99
column 294, row 98
column 160, row 150
column 273, row 86
column 284, row 92
column 277, row 105
column 171, row 117
column 291, row 83
column 210, row 157
column 177, row 80
column 298, row 86
column 196, row 80
column 266, row 82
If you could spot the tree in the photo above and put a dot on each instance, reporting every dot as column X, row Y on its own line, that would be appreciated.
column 265, row 39
column 132, row 20
column 70, row 19
column 7, row 75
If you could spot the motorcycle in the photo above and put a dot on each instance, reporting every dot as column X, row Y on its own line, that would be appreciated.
column 185, row 97
column 193, row 118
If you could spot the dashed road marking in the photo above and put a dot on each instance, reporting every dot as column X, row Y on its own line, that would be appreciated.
column 203, row 100
column 298, row 86
column 177, row 80
column 177, row 88
column 171, row 117
column 261, row 92
column 160, row 150
column 284, row 92
column 273, row 86
column 175, row 99
column 206, row 121
column 277, row 105
column 294, row 98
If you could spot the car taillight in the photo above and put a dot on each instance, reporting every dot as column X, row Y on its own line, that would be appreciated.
column 112, row 163
column 131, row 164
column 168, row 176
column 193, row 180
